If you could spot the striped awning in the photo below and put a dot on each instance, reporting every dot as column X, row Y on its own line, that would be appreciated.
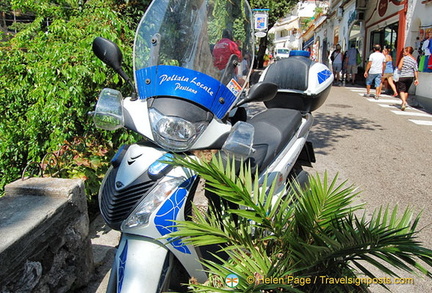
column 308, row 43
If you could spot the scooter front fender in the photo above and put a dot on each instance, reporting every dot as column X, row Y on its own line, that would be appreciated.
column 140, row 265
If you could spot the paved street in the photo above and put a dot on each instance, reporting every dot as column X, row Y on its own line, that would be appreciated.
column 380, row 149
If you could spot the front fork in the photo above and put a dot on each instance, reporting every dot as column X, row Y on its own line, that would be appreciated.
column 145, row 265
column 145, row 261
column 139, row 265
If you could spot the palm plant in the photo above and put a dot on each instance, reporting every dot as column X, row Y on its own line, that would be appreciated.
column 305, row 240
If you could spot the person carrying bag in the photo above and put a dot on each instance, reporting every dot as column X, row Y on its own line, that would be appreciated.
column 408, row 74
column 396, row 74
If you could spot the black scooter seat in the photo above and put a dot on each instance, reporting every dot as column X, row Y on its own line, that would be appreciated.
column 274, row 128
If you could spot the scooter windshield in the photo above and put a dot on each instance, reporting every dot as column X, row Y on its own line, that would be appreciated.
column 199, row 50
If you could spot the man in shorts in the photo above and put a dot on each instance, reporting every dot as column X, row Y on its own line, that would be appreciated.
column 351, row 62
column 374, row 71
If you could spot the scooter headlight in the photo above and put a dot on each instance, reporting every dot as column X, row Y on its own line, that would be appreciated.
column 141, row 215
column 174, row 133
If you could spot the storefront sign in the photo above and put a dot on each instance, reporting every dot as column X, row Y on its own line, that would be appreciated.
column 382, row 7
column 352, row 17
column 261, row 19
column 260, row 22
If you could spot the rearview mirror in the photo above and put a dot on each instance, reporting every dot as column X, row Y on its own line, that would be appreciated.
column 261, row 92
column 108, row 52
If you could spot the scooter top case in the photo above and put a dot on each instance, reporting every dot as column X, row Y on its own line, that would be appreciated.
column 303, row 84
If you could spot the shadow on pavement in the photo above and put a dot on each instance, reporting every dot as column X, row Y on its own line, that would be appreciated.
column 328, row 130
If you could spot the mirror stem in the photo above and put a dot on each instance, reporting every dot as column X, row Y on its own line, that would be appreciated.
column 134, row 95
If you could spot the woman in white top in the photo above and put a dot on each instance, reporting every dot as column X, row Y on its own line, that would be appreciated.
column 337, row 58
column 408, row 74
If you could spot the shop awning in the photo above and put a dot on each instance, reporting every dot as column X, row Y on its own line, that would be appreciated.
column 287, row 26
column 308, row 43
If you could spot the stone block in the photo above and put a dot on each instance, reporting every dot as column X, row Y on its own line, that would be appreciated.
column 45, row 244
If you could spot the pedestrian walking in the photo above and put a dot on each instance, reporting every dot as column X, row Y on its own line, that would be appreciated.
column 408, row 74
column 337, row 59
column 374, row 70
column 351, row 63
column 388, row 72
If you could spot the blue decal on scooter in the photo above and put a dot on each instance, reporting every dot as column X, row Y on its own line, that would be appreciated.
column 122, row 266
column 159, row 166
column 166, row 215
column 166, row 80
column 323, row 75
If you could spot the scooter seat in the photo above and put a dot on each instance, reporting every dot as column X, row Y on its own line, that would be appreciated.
column 274, row 128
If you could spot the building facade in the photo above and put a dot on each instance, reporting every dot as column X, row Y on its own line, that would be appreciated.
column 393, row 24
column 289, row 31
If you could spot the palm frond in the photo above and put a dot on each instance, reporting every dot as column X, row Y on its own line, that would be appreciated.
column 305, row 232
column 384, row 243
column 321, row 203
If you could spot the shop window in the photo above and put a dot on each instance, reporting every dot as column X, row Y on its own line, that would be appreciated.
column 424, row 44
column 386, row 37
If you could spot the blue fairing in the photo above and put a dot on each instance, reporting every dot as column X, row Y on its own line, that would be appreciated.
column 166, row 80
column 167, row 214
column 122, row 265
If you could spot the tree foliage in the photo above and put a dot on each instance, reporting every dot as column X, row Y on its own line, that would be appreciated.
column 50, row 78
column 277, row 9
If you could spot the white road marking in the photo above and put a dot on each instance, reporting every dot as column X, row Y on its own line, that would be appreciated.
column 387, row 101
column 408, row 113
column 421, row 122
column 381, row 100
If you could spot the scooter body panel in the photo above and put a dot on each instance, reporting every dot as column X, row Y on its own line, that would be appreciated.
column 135, row 162
column 144, row 246
column 135, row 255
column 181, row 103
column 162, row 220
column 282, row 165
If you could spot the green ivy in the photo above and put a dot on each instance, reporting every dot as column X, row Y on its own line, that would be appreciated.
column 50, row 79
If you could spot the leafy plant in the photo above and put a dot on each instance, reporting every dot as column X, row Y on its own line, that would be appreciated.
column 50, row 78
column 307, row 238
column 83, row 157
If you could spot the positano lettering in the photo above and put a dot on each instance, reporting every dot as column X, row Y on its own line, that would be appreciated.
column 184, row 88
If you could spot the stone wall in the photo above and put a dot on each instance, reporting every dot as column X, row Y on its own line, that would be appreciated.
column 44, row 243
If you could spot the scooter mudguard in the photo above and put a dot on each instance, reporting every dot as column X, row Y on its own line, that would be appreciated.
column 140, row 266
